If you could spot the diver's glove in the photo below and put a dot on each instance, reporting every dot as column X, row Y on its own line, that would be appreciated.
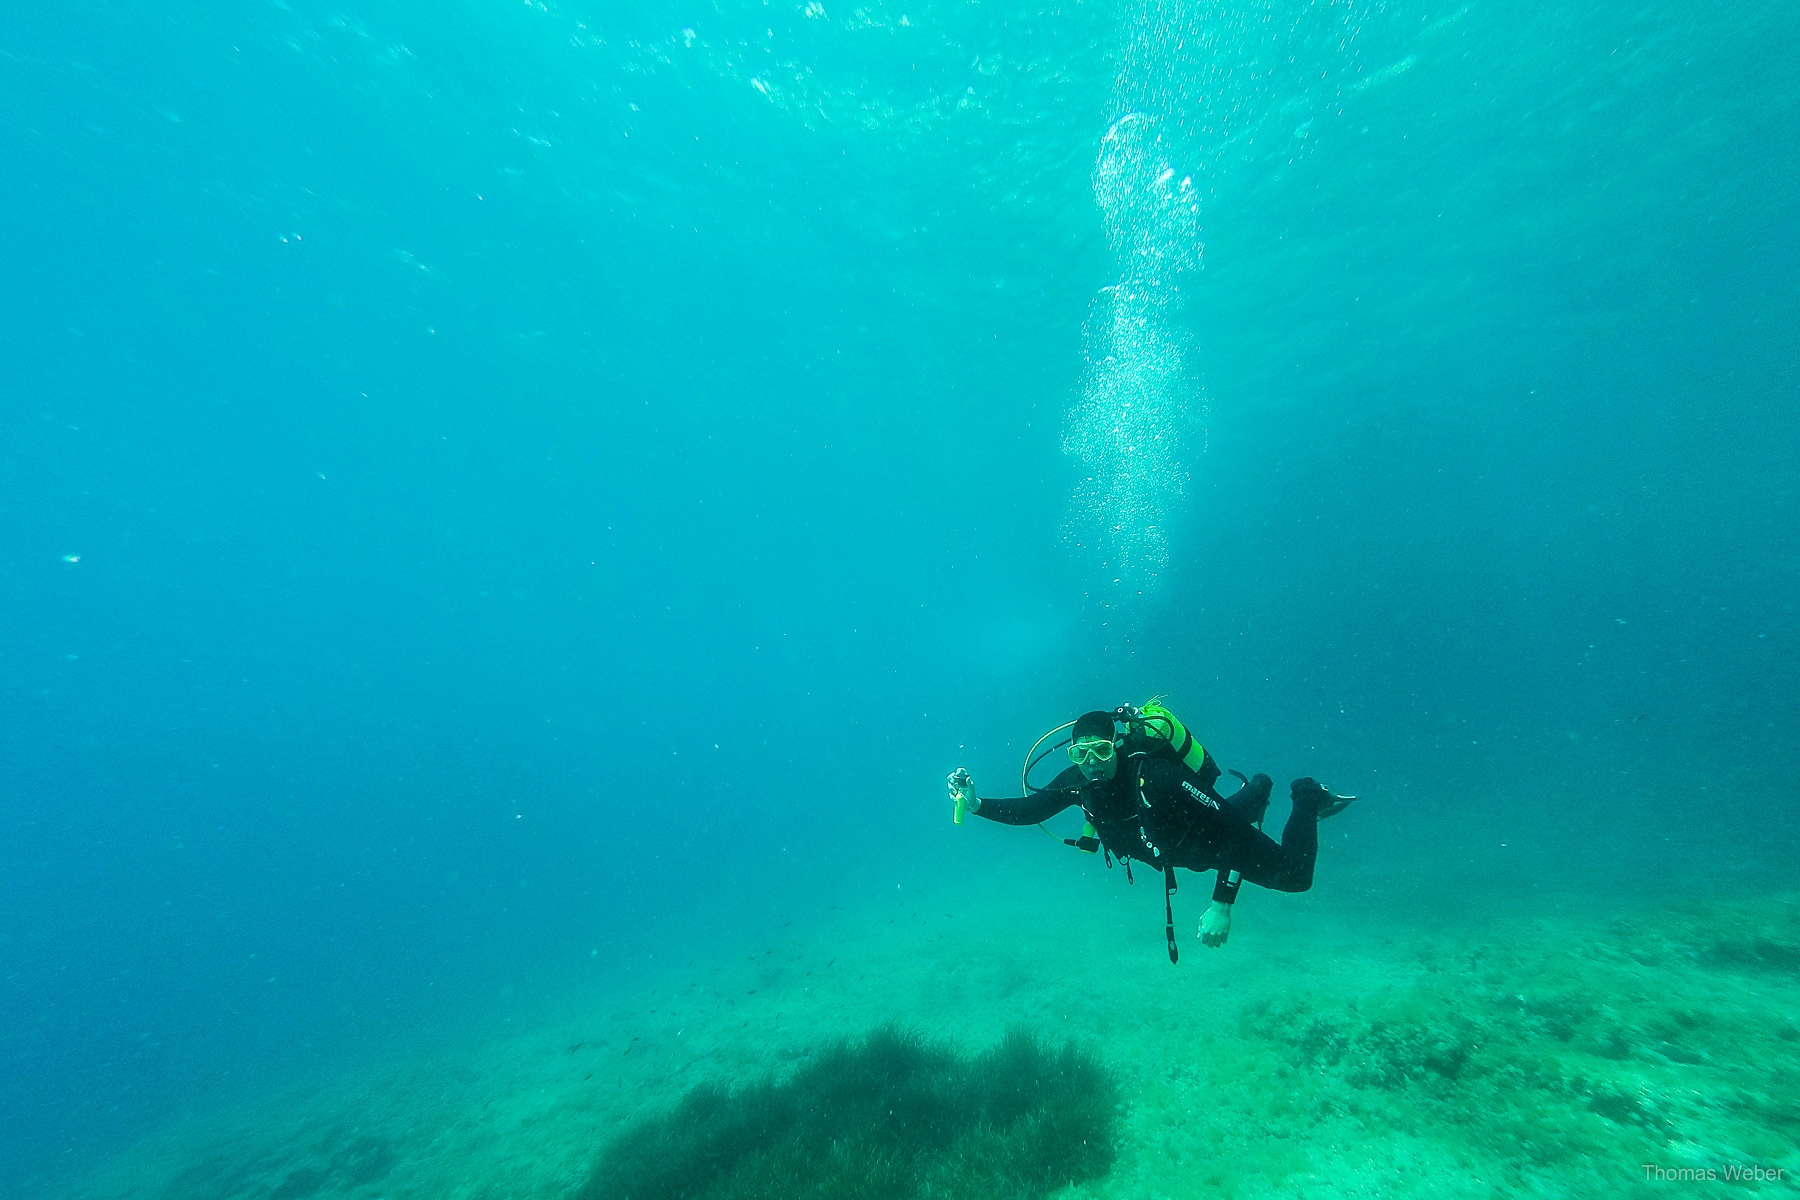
column 962, row 792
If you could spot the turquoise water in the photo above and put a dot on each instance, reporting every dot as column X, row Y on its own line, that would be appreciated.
column 496, row 499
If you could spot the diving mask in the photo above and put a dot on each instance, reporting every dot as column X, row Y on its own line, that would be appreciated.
column 1097, row 751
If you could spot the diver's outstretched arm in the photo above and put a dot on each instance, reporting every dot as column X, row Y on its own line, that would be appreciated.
column 1008, row 810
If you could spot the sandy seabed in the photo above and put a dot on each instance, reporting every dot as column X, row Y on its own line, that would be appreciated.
column 1642, row 1053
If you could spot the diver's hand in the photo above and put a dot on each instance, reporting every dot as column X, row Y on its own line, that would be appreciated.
column 1215, row 924
column 962, row 794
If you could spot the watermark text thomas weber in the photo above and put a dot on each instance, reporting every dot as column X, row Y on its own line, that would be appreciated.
column 1733, row 1172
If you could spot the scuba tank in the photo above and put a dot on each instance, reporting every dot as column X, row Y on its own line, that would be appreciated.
column 1168, row 736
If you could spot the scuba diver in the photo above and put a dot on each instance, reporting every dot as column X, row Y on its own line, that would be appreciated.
column 1148, row 795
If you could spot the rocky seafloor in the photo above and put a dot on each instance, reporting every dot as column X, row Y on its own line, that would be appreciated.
column 1624, row 1053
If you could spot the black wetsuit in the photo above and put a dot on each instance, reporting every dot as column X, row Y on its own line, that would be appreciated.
column 1159, row 812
